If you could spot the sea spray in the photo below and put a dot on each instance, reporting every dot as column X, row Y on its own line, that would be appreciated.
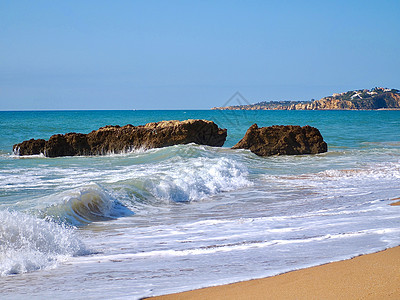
column 28, row 243
column 200, row 179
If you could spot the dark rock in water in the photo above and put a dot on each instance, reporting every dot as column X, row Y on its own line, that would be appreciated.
column 280, row 140
column 69, row 144
column 116, row 139
column 31, row 147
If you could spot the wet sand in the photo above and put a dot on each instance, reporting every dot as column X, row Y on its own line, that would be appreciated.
column 371, row 276
column 395, row 203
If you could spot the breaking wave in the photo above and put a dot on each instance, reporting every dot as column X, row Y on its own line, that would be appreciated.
column 201, row 179
column 85, row 205
column 187, row 180
column 28, row 243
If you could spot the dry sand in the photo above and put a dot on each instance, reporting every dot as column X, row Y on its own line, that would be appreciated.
column 372, row 276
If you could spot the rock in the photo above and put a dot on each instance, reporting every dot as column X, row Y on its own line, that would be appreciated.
column 278, row 140
column 31, row 147
column 116, row 139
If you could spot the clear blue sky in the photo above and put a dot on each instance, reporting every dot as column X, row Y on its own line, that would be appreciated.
column 192, row 54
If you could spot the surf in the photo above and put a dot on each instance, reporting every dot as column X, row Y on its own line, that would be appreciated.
column 28, row 243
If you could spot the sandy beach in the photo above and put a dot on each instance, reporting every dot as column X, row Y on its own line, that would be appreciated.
column 371, row 276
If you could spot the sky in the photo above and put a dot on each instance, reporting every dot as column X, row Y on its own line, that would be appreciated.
column 192, row 54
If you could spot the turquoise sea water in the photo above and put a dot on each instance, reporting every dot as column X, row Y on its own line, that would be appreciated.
column 177, row 218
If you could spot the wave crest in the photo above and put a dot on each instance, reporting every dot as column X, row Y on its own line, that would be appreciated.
column 85, row 205
column 201, row 178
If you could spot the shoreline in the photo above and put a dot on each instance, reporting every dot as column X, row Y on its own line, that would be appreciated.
column 369, row 276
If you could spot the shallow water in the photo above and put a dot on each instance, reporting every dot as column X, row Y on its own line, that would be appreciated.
column 177, row 218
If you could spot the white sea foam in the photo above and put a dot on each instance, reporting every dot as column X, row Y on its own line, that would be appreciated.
column 199, row 179
column 241, row 246
column 178, row 174
column 28, row 243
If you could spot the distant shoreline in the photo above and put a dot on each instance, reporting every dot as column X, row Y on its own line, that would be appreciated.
column 265, row 109
column 374, row 99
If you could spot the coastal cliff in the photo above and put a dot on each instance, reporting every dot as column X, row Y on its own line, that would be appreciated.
column 377, row 98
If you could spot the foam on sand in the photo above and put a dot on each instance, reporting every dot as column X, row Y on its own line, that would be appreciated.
column 372, row 276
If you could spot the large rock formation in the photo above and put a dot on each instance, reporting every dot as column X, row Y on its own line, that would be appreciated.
column 277, row 140
column 116, row 139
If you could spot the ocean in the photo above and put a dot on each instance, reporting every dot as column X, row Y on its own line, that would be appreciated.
column 188, row 216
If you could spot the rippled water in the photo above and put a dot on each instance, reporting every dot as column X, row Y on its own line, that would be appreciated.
column 171, row 219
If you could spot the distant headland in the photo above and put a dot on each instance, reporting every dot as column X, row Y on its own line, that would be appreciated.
column 374, row 99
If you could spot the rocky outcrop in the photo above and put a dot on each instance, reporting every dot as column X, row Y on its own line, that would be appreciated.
column 116, row 139
column 279, row 140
